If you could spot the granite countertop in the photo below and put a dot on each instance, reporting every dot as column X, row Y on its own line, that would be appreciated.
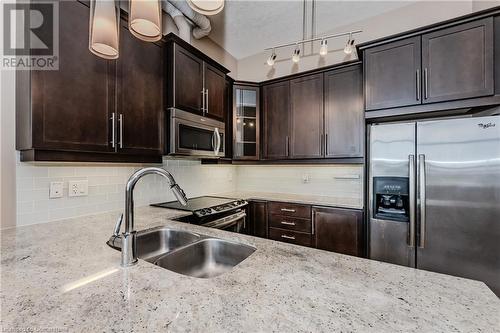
column 62, row 277
column 320, row 200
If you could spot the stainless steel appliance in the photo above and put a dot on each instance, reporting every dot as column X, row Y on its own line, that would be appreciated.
column 193, row 135
column 434, row 196
column 213, row 212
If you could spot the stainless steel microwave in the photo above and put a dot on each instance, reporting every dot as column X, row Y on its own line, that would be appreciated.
column 193, row 135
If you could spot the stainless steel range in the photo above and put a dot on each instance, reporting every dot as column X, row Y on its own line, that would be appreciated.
column 214, row 212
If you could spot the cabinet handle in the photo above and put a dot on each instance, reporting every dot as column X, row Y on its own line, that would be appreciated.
column 287, row 144
column 418, row 84
column 288, row 210
column 113, row 130
column 321, row 144
column 288, row 237
column 426, row 84
column 203, row 100
column 120, row 119
column 287, row 223
column 206, row 104
column 313, row 222
column 326, row 144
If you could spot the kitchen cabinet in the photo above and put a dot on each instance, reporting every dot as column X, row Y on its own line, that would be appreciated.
column 246, row 122
column 276, row 108
column 257, row 218
column 195, row 83
column 393, row 74
column 288, row 236
column 457, row 62
column 306, row 117
column 73, row 114
column 139, row 95
column 344, row 113
column 338, row 230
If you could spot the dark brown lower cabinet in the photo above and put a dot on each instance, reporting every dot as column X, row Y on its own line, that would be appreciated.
column 257, row 219
column 289, row 236
column 338, row 230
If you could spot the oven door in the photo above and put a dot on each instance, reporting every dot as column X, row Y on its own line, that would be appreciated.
column 191, row 138
column 235, row 222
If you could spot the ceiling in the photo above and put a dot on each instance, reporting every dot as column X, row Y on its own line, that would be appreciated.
column 245, row 28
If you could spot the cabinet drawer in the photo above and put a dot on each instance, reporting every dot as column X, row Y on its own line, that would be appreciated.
column 290, row 223
column 288, row 209
column 294, row 237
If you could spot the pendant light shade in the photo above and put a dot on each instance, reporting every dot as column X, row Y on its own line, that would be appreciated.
column 206, row 7
column 145, row 19
column 104, row 29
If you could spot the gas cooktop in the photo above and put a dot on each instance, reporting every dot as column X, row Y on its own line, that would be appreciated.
column 205, row 205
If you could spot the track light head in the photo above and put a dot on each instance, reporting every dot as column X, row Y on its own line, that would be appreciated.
column 271, row 59
column 349, row 45
column 296, row 54
column 323, row 50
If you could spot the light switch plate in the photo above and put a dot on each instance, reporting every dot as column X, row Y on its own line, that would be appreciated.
column 78, row 188
column 56, row 190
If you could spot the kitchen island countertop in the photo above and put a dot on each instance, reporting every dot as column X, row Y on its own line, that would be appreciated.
column 62, row 277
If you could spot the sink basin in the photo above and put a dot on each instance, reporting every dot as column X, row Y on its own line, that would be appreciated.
column 206, row 258
column 153, row 243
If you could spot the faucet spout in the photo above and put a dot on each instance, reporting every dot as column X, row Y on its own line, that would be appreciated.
column 129, row 251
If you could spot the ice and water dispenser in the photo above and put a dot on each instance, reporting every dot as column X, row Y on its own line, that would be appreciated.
column 391, row 198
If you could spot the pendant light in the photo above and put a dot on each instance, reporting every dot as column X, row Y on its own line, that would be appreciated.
column 104, row 29
column 144, row 20
column 206, row 7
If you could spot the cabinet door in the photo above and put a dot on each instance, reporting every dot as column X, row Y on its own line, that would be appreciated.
column 338, row 230
column 215, row 89
column 276, row 100
column 306, row 123
column 458, row 62
column 257, row 219
column 139, row 95
column 188, row 81
column 72, row 106
column 392, row 74
column 246, row 120
column 344, row 113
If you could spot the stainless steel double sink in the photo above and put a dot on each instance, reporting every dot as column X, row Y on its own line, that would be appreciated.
column 189, row 253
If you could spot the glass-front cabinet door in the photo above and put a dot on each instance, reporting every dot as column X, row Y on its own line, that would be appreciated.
column 246, row 122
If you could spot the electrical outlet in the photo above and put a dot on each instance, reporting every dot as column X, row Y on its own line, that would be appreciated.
column 306, row 178
column 78, row 188
column 56, row 190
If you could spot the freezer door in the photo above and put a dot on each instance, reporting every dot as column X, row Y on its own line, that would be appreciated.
column 390, row 149
column 459, row 198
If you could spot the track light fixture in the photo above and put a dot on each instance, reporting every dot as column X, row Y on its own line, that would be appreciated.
column 349, row 45
column 271, row 59
column 296, row 54
column 323, row 50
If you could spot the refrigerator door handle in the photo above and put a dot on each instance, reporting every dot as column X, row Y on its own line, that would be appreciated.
column 411, row 229
column 421, row 191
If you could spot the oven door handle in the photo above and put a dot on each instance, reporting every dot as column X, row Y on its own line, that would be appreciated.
column 225, row 221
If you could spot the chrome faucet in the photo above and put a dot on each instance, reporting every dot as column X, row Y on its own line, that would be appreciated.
column 128, row 238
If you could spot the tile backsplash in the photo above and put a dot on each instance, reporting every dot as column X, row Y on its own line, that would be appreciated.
column 106, row 188
column 106, row 185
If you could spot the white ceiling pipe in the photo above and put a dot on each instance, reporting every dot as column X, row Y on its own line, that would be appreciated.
column 180, row 21
column 202, row 23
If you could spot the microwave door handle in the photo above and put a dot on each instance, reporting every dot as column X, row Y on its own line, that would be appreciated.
column 214, row 141
column 217, row 138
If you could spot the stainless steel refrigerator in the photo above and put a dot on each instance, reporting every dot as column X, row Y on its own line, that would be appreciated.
column 434, row 196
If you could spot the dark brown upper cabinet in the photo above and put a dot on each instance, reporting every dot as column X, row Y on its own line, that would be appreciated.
column 338, row 230
column 306, row 117
column 195, row 83
column 73, row 114
column 139, row 96
column 393, row 74
column 246, row 122
column 187, row 85
column 69, row 108
column 344, row 113
column 276, row 109
column 457, row 62
column 215, row 93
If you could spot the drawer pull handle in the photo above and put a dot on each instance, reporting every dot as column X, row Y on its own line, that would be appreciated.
column 288, row 237
column 288, row 210
column 287, row 223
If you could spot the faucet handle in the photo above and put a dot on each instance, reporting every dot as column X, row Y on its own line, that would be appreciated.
column 116, row 231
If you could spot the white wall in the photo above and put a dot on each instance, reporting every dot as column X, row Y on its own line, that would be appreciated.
column 254, row 68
